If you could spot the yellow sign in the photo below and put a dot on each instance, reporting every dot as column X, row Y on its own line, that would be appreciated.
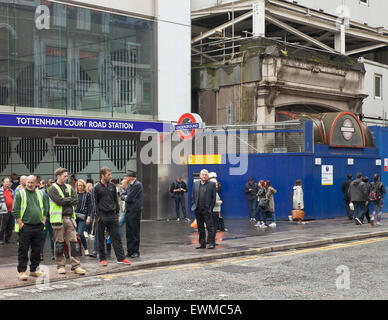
column 205, row 159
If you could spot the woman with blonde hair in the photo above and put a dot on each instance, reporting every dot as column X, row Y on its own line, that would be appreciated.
column 83, row 211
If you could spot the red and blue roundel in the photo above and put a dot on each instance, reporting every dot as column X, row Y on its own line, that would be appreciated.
column 187, row 124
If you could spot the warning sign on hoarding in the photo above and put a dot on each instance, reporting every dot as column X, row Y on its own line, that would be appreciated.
column 385, row 164
column 327, row 175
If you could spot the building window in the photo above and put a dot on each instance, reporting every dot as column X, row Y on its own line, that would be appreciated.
column 378, row 86
column 83, row 19
column 365, row 2
column 60, row 15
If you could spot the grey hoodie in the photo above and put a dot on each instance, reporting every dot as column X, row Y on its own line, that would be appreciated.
column 358, row 190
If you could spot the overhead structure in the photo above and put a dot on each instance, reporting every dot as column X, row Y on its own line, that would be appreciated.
column 289, row 22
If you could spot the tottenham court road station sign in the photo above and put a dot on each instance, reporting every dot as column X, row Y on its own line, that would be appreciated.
column 29, row 121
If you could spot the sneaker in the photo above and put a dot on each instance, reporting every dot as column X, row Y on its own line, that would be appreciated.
column 258, row 224
column 86, row 252
column 104, row 263
column 263, row 226
column 272, row 225
column 86, row 235
column 125, row 261
column 91, row 237
column 61, row 270
column 372, row 222
column 290, row 218
column 378, row 224
column 22, row 276
column 79, row 270
column 177, row 219
column 187, row 219
column 358, row 222
column 37, row 274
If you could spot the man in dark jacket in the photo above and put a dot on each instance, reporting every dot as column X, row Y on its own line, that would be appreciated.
column 358, row 194
column 203, row 199
column 345, row 190
column 133, row 198
column 177, row 190
column 106, row 207
column 251, row 191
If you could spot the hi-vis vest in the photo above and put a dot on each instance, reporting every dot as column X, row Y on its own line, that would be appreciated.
column 23, row 205
column 55, row 209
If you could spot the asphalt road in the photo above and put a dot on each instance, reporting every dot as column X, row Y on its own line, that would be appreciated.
column 355, row 270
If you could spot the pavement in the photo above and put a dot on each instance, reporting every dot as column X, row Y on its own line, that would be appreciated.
column 166, row 243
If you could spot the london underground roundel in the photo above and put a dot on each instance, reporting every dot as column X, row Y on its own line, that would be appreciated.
column 188, row 123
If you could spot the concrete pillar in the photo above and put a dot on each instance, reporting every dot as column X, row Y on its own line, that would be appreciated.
column 258, row 18
column 340, row 41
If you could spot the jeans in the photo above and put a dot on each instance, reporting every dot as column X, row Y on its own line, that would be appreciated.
column 121, row 223
column 49, row 230
column 358, row 204
column 81, row 227
column 180, row 200
column 252, row 207
column 88, row 228
column 271, row 214
column 260, row 214
column 377, row 209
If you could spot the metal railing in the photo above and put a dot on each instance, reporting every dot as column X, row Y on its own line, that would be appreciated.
column 280, row 137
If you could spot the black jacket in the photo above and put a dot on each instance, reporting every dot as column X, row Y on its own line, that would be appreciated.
column 177, row 185
column 210, row 196
column 358, row 190
column 251, row 195
column 104, row 201
column 345, row 189
column 133, row 197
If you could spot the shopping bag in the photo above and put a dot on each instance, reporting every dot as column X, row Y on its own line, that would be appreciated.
column 297, row 214
column 194, row 224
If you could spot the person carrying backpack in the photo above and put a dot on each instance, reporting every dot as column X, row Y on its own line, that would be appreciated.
column 376, row 196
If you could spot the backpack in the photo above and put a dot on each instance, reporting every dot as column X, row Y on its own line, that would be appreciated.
column 264, row 204
column 375, row 192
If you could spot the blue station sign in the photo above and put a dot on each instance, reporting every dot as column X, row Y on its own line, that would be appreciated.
column 31, row 121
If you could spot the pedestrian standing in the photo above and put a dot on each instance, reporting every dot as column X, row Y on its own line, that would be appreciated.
column 63, row 200
column 178, row 190
column 123, row 189
column 376, row 196
column 30, row 211
column 271, row 204
column 261, row 194
column 358, row 194
column 105, row 202
column 90, row 227
column 217, row 206
column 297, row 197
column 133, row 198
column 83, row 211
column 250, row 190
column 367, row 202
column 345, row 190
column 203, row 200
column 7, row 220
column 48, row 229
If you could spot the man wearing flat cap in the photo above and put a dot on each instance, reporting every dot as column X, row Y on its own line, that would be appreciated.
column 133, row 198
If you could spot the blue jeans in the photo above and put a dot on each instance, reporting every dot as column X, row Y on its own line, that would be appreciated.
column 48, row 229
column 260, row 214
column 252, row 207
column 121, row 223
column 180, row 200
column 81, row 226
column 88, row 228
column 377, row 209
column 272, row 216
column 358, row 204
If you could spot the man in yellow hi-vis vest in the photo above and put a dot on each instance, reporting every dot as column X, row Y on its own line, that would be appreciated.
column 63, row 200
column 30, row 212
